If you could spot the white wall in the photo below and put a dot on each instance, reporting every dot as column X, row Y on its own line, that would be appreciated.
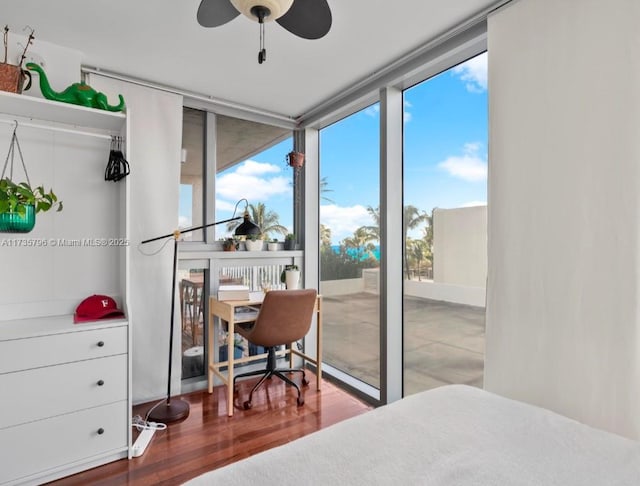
column 330, row 288
column 459, row 294
column 562, row 300
column 460, row 246
column 155, row 131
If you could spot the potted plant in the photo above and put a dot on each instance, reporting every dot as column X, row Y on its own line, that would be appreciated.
column 290, row 276
column 290, row 241
column 273, row 245
column 229, row 244
column 253, row 243
column 19, row 203
column 295, row 159
column 12, row 77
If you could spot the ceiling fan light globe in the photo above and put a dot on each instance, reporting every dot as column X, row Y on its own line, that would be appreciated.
column 277, row 7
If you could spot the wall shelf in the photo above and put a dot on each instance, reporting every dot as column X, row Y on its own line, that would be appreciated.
column 54, row 111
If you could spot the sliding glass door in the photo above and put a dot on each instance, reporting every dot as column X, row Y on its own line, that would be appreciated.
column 349, row 246
column 445, row 227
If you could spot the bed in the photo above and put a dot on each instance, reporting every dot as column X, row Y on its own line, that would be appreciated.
column 453, row 435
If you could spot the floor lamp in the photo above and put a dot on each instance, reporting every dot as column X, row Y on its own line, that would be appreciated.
column 174, row 410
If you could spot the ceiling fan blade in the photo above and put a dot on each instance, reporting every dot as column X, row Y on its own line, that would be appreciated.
column 213, row 13
column 309, row 19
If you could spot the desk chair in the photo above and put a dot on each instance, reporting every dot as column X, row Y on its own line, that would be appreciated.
column 284, row 317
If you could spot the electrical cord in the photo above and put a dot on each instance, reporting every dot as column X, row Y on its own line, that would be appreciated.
column 141, row 424
column 139, row 248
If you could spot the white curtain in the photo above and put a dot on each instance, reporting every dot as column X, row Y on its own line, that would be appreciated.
column 563, row 322
column 155, row 141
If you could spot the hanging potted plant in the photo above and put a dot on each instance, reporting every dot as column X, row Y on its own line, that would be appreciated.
column 295, row 159
column 19, row 201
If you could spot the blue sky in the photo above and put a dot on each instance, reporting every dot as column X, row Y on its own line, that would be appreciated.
column 445, row 156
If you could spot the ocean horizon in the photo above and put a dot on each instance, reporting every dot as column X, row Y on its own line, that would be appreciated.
column 353, row 252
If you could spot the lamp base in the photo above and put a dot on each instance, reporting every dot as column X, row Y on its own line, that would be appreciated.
column 171, row 411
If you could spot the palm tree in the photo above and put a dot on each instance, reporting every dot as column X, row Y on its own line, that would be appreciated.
column 374, row 230
column 267, row 220
column 418, row 251
column 412, row 218
column 427, row 235
column 324, row 188
column 325, row 236
column 360, row 241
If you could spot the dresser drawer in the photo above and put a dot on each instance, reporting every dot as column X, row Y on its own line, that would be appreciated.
column 36, row 352
column 41, row 446
column 55, row 390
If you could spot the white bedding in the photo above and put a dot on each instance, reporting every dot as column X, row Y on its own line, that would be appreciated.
column 453, row 435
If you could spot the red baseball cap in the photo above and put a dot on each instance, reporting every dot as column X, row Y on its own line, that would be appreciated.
column 97, row 307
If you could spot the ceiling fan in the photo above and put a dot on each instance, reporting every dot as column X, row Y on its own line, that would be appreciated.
column 309, row 19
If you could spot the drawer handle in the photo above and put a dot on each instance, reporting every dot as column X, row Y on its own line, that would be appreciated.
column 100, row 344
column 100, row 382
column 100, row 431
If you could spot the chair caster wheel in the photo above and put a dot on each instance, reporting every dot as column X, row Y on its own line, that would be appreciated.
column 300, row 401
column 247, row 405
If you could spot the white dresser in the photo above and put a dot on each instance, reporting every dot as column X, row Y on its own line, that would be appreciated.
column 63, row 397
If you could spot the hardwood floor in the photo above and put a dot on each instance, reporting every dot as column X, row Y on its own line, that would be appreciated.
column 208, row 439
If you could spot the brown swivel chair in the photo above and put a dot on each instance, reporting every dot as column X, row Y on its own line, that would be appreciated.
column 284, row 317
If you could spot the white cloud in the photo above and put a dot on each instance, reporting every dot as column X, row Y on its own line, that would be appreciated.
column 472, row 147
column 472, row 204
column 251, row 167
column 373, row 110
column 474, row 73
column 226, row 205
column 469, row 167
column 407, row 114
column 343, row 221
column 252, row 180
column 184, row 222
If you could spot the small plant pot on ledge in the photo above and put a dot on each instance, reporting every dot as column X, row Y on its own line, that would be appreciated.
column 253, row 245
column 18, row 221
column 12, row 78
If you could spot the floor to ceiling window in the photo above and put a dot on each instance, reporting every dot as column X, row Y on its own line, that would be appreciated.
column 249, row 164
column 191, row 173
column 445, row 227
column 349, row 246
column 191, row 281
column 260, row 176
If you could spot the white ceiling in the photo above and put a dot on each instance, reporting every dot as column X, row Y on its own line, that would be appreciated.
column 161, row 41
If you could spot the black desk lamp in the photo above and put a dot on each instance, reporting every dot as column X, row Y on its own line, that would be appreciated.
column 174, row 410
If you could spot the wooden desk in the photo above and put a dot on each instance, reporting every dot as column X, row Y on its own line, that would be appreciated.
column 225, row 311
